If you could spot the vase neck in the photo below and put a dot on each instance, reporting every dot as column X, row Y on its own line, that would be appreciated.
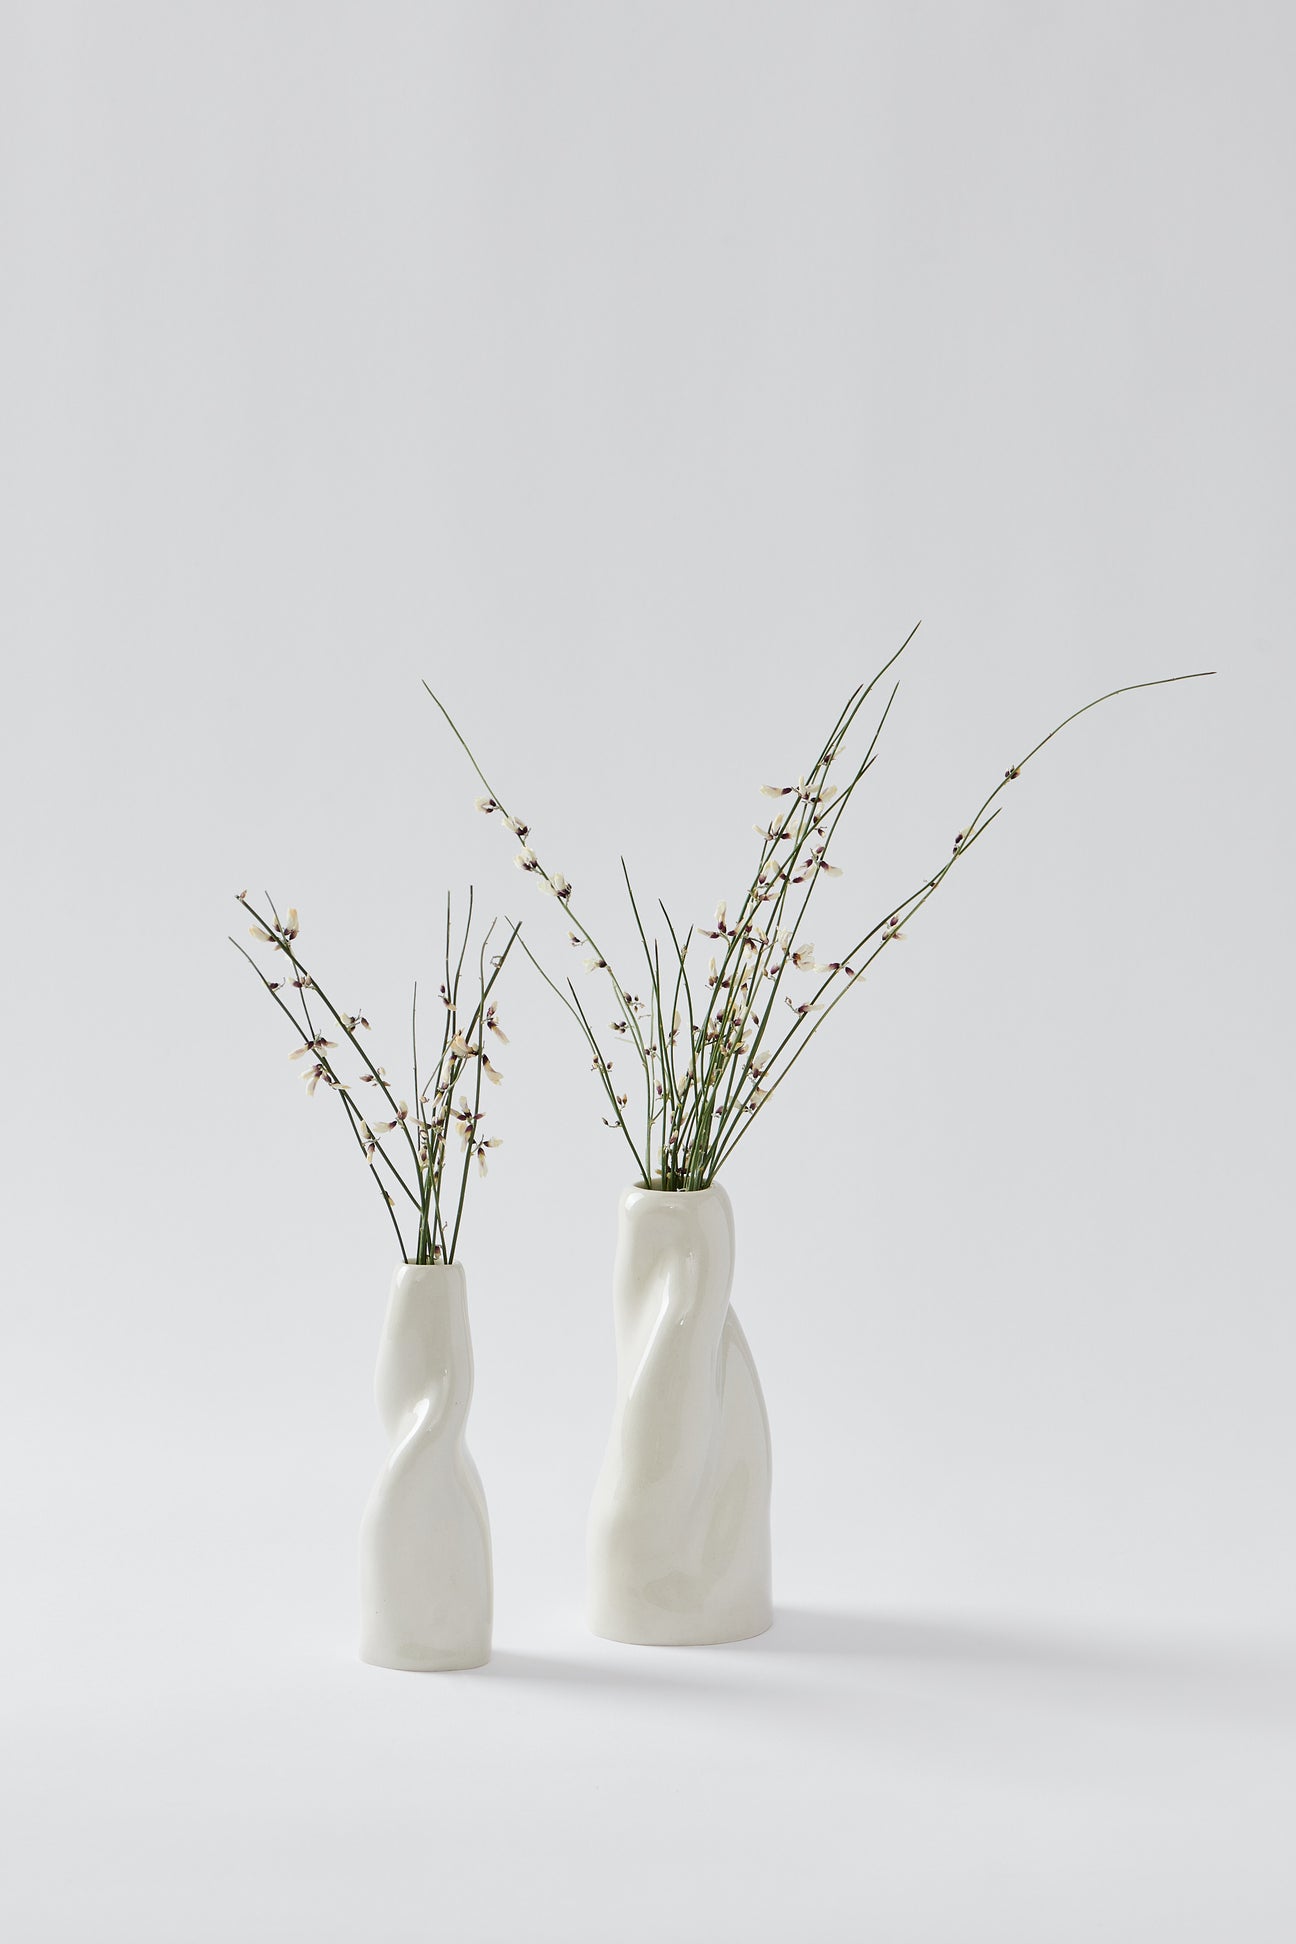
column 426, row 1345
column 674, row 1251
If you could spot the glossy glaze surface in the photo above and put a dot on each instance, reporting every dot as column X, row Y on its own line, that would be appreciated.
column 426, row 1589
column 679, row 1539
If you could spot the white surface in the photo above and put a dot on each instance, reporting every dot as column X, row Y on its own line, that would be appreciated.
column 425, row 1552
column 678, row 1542
column 639, row 375
column 926, row 1778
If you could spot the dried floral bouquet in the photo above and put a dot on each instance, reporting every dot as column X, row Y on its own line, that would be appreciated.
column 407, row 1153
column 713, row 1046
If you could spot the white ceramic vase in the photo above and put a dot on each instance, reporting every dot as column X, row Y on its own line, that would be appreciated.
column 679, row 1536
column 426, row 1588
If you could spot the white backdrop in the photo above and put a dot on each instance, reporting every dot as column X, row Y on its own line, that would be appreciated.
column 639, row 375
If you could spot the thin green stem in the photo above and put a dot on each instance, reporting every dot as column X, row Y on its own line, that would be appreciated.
column 701, row 1099
column 339, row 1089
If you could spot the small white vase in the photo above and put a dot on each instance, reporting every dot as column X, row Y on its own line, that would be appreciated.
column 679, row 1536
column 426, row 1588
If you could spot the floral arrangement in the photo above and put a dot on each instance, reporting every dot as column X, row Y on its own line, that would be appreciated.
column 409, row 1153
column 727, row 1009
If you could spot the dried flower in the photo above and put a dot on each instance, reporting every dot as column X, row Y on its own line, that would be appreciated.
column 417, row 1157
column 808, row 795
column 389, row 1127
column 316, row 1045
column 816, row 861
column 729, row 1058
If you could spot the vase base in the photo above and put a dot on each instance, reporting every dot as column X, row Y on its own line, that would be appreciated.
column 700, row 1633
column 427, row 1664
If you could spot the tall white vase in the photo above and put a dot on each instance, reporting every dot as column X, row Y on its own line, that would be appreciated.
column 679, row 1537
column 426, row 1588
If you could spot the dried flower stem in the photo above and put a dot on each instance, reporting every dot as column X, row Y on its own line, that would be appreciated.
column 551, row 882
column 714, row 1054
column 417, row 1172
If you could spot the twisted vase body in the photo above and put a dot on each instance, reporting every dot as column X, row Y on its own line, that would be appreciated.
column 679, row 1539
column 426, row 1588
